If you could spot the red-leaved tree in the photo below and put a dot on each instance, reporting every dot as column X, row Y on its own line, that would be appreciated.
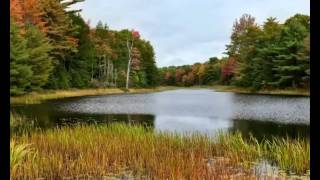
column 228, row 69
column 135, row 34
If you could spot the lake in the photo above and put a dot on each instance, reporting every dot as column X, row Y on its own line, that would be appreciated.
column 182, row 111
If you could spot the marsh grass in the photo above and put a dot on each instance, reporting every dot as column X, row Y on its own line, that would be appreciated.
column 290, row 155
column 21, row 125
column 38, row 97
column 18, row 154
column 103, row 150
column 273, row 91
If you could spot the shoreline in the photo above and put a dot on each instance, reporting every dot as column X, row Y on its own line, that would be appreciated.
column 286, row 92
column 38, row 97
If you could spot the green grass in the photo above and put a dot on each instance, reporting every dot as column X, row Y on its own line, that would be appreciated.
column 289, row 154
column 106, row 150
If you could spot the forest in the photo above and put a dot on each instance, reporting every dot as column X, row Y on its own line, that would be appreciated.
column 52, row 47
column 271, row 55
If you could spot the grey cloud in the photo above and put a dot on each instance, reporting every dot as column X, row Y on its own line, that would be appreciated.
column 186, row 31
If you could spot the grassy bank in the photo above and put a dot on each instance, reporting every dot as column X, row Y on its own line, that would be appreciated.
column 222, row 88
column 37, row 97
column 102, row 151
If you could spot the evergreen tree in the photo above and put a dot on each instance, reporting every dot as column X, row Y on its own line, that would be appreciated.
column 80, row 64
column 61, row 32
column 39, row 58
column 243, row 48
column 20, row 70
column 304, row 62
column 287, row 65
column 266, row 52
column 148, row 63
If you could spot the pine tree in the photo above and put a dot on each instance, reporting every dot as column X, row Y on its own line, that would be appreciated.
column 80, row 64
column 287, row 65
column 243, row 48
column 39, row 58
column 61, row 32
column 20, row 70
column 148, row 62
column 304, row 62
column 266, row 52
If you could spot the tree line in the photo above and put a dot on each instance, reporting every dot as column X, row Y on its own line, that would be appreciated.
column 271, row 55
column 52, row 47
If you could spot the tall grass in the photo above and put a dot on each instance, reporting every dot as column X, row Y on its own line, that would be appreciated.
column 38, row 97
column 18, row 154
column 21, row 125
column 274, row 91
column 105, row 150
column 290, row 155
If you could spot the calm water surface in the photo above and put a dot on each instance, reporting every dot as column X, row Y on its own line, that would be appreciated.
column 182, row 111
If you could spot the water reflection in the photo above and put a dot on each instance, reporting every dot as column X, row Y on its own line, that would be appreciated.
column 182, row 111
column 271, row 108
column 267, row 129
column 181, row 124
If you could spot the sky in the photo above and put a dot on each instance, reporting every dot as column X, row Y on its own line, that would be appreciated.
column 186, row 31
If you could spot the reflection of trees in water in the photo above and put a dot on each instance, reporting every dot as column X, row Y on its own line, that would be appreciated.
column 265, row 129
column 48, row 117
column 133, row 119
column 37, row 113
column 144, row 120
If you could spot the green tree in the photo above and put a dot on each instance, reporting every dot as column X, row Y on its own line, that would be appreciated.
column 39, row 58
column 80, row 64
column 148, row 63
column 289, row 69
column 304, row 62
column 61, row 32
column 243, row 48
column 20, row 70
column 266, row 52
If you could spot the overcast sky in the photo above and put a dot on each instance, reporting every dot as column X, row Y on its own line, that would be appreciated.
column 185, row 31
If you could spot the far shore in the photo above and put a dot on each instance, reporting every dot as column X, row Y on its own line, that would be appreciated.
column 37, row 97
column 288, row 91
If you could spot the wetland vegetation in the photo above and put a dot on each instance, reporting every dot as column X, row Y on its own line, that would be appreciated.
column 111, row 150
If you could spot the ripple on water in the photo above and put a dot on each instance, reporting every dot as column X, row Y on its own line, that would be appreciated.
column 202, row 103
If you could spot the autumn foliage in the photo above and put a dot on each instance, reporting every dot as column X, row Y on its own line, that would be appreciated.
column 228, row 68
column 271, row 55
column 135, row 34
column 26, row 12
column 209, row 72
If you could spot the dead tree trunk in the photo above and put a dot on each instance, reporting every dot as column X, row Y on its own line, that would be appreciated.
column 108, row 72
column 105, row 66
column 91, row 71
column 115, row 77
column 111, row 74
column 129, row 62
